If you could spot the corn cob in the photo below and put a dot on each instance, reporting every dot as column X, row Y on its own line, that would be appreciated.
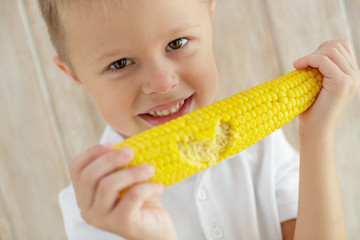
column 184, row 146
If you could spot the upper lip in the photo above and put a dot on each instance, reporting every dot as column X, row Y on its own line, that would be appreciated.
column 169, row 105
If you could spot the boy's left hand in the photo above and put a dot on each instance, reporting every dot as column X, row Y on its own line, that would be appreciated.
column 337, row 62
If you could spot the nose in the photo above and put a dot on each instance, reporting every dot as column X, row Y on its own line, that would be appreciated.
column 159, row 77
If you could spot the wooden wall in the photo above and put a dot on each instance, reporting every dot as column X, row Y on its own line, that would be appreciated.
column 46, row 120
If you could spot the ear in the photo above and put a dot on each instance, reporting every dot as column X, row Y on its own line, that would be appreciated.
column 66, row 69
column 212, row 7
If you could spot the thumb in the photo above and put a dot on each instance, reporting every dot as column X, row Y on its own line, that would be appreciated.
column 300, row 63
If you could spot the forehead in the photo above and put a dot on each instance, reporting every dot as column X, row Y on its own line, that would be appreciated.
column 123, row 22
column 102, row 9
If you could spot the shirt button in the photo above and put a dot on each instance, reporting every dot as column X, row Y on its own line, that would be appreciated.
column 202, row 194
column 217, row 232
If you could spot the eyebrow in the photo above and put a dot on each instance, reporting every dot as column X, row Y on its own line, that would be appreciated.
column 182, row 28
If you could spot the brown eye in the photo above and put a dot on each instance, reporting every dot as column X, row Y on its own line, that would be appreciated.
column 176, row 44
column 120, row 64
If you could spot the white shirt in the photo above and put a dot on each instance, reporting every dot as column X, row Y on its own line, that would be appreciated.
column 246, row 196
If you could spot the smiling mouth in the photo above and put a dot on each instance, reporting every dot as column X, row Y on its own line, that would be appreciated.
column 156, row 118
column 167, row 112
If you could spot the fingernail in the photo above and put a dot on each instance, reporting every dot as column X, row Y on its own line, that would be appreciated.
column 127, row 151
column 149, row 169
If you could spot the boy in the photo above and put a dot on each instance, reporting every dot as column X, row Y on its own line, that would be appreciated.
column 147, row 62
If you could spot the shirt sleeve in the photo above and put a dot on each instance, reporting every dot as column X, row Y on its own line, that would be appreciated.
column 75, row 226
column 286, row 176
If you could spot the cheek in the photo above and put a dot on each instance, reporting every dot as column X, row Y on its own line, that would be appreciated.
column 113, row 102
column 205, row 80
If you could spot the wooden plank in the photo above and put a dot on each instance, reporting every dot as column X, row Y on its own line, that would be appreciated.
column 352, row 130
column 78, row 118
column 6, row 230
column 300, row 27
column 353, row 9
column 32, row 163
column 246, row 54
column 348, row 157
column 244, row 48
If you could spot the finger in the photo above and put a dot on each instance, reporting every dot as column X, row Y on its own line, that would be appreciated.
column 96, row 170
column 339, row 56
column 346, row 50
column 345, row 44
column 78, row 164
column 134, row 199
column 327, row 67
column 109, row 187
column 301, row 63
column 349, row 49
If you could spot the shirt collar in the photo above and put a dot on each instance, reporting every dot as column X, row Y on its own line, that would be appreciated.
column 110, row 135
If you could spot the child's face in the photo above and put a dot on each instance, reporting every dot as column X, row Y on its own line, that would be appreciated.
column 141, row 60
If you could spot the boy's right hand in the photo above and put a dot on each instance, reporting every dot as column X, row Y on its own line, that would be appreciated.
column 97, row 182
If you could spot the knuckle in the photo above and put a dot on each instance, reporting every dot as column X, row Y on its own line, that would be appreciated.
column 115, row 160
column 86, row 178
column 135, row 192
column 106, row 186
column 328, row 43
column 77, row 162
column 338, row 45
column 324, row 44
column 138, row 174
column 91, row 151
column 333, row 51
column 346, row 43
column 74, row 166
column 129, row 176
column 85, row 216
column 323, row 59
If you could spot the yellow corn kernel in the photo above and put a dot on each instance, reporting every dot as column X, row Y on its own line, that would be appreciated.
column 201, row 139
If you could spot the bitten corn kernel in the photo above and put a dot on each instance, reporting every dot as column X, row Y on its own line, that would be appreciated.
column 201, row 139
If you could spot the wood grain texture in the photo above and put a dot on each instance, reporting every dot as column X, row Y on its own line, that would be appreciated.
column 244, row 47
column 299, row 28
column 32, row 169
column 6, row 229
column 308, row 24
column 352, row 10
column 349, row 136
column 75, row 111
column 46, row 120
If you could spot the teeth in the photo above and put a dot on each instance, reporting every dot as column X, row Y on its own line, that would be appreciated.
column 167, row 111
column 173, row 109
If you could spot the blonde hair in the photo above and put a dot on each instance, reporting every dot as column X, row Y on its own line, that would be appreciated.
column 55, row 14
column 52, row 12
